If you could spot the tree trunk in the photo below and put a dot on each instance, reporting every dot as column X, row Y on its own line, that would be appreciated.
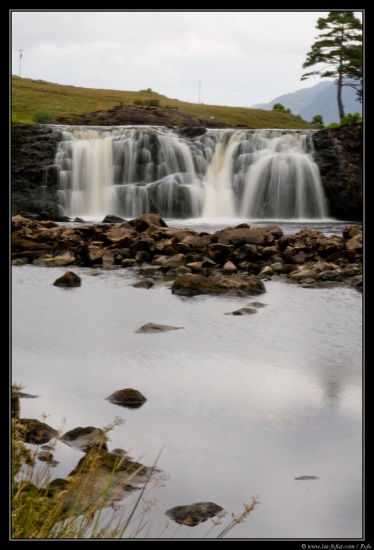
column 340, row 100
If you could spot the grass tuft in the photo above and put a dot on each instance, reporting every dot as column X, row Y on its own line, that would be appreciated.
column 90, row 503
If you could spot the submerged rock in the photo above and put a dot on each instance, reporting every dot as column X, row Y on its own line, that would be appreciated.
column 306, row 478
column 153, row 327
column 145, row 283
column 243, row 311
column 47, row 456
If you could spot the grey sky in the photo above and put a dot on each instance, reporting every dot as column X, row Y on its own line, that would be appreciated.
column 234, row 58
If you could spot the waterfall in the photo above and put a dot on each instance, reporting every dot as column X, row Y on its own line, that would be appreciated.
column 130, row 171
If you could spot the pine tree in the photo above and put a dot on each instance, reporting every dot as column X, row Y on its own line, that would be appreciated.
column 340, row 51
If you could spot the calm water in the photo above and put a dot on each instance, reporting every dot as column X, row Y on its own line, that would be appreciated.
column 238, row 406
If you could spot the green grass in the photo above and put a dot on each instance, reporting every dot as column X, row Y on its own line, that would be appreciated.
column 31, row 98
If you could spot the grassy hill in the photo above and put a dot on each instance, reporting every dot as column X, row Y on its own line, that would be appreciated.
column 31, row 98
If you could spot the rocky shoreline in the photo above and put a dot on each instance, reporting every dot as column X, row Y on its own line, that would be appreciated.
column 234, row 260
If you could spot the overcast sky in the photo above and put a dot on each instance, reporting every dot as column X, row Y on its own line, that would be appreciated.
column 233, row 58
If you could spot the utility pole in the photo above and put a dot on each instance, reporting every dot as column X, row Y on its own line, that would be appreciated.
column 199, row 89
column 20, row 57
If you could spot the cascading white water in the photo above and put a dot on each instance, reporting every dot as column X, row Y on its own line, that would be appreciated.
column 129, row 171
column 219, row 198
column 283, row 181
column 86, row 166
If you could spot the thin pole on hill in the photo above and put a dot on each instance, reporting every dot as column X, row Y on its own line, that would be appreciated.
column 20, row 57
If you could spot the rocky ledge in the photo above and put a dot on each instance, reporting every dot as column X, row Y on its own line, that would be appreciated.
column 123, row 115
column 234, row 260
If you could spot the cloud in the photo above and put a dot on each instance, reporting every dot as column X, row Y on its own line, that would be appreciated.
column 237, row 58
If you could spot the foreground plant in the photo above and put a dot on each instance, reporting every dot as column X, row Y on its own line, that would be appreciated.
column 89, row 503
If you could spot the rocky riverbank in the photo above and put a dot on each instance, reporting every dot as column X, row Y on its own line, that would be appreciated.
column 233, row 260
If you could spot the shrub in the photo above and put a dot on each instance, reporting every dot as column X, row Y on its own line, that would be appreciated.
column 278, row 107
column 43, row 117
column 318, row 121
column 147, row 102
column 351, row 119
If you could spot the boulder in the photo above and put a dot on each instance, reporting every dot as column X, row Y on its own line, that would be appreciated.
column 127, row 397
column 192, row 284
column 36, row 432
column 85, row 439
column 193, row 514
column 68, row 280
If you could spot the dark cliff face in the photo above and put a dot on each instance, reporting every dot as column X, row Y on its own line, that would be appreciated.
column 339, row 156
column 33, row 176
column 34, row 185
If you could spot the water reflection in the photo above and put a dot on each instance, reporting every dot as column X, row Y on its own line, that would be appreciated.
column 242, row 404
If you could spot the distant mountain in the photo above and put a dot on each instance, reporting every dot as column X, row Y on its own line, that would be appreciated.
column 320, row 99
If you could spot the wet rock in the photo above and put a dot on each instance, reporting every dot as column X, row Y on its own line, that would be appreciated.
column 193, row 284
column 121, row 236
column 191, row 132
column 127, row 397
column 47, row 456
column 142, row 223
column 306, row 478
column 111, row 218
column 36, row 432
column 195, row 266
column 243, row 311
column 350, row 231
column 85, row 439
column 338, row 153
column 193, row 514
column 266, row 271
column 261, row 252
column 173, row 262
column 60, row 260
column 118, row 452
column 68, row 280
column 145, row 283
column 102, row 477
column 242, row 236
column 15, row 401
column 229, row 267
column 57, row 485
column 153, row 327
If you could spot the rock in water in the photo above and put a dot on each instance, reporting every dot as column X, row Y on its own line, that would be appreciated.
column 153, row 327
column 69, row 279
column 193, row 514
column 127, row 398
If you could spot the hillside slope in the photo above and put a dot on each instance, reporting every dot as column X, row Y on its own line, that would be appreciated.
column 39, row 101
